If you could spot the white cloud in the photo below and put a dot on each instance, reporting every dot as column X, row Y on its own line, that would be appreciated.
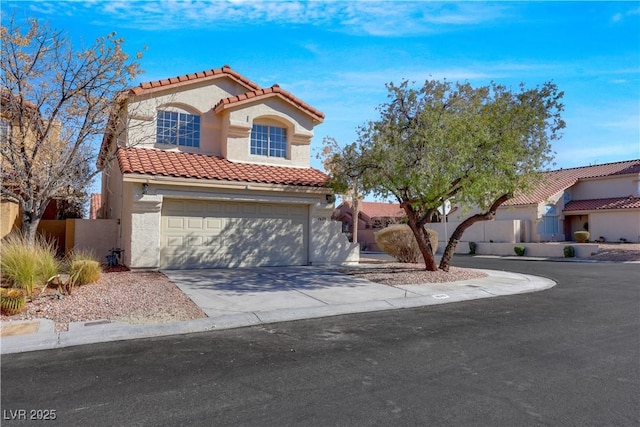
column 620, row 16
column 381, row 18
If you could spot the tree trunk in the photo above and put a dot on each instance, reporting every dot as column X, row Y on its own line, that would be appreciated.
column 423, row 243
column 29, row 227
column 355, row 214
column 460, row 229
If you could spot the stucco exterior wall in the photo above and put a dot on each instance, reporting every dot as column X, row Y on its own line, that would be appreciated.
column 615, row 225
column 98, row 236
column 604, row 187
column 9, row 217
column 112, row 191
column 276, row 112
column 226, row 133
column 195, row 99
column 328, row 245
column 482, row 231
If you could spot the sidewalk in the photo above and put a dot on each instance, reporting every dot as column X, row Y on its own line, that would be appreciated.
column 247, row 297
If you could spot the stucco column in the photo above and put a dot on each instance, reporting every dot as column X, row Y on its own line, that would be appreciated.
column 145, row 231
column 328, row 244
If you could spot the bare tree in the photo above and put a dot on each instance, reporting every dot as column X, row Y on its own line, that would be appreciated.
column 56, row 101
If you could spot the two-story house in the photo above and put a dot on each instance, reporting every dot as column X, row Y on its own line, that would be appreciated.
column 210, row 170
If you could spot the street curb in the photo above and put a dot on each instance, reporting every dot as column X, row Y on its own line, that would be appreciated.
column 498, row 283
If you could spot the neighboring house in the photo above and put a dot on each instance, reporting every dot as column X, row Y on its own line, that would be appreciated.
column 371, row 217
column 211, row 170
column 605, row 199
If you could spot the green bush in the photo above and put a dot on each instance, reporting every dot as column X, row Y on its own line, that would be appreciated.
column 519, row 250
column 84, row 268
column 581, row 236
column 399, row 242
column 569, row 252
column 27, row 265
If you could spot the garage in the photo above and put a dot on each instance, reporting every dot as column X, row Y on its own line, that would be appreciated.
column 223, row 234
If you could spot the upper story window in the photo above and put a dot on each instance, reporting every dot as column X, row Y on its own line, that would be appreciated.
column 178, row 128
column 269, row 141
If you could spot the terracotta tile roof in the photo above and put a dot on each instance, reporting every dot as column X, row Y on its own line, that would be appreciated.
column 381, row 210
column 630, row 202
column 200, row 166
column 553, row 182
column 225, row 71
column 95, row 205
column 259, row 94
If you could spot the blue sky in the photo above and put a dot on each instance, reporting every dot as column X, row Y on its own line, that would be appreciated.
column 338, row 55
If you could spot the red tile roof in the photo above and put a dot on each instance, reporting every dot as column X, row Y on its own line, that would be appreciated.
column 272, row 91
column 381, row 210
column 95, row 205
column 630, row 202
column 214, row 73
column 553, row 182
column 200, row 166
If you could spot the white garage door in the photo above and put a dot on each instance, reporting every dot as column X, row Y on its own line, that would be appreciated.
column 205, row 234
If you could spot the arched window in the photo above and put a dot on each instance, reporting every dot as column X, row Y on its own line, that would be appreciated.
column 549, row 223
column 178, row 128
column 268, row 140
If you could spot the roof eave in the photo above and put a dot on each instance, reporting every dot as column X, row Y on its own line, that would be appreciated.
column 222, row 184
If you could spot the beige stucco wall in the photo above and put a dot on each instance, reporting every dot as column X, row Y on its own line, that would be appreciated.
column 328, row 245
column 98, row 236
column 195, row 98
column 273, row 111
column 613, row 225
column 482, row 231
column 228, row 132
column 9, row 217
column 599, row 188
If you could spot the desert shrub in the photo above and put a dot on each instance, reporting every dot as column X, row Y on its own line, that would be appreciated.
column 399, row 242
column 84, row 268
column 569, row 252
column 26, row 266
column 519, row 250
column 472, row 248
column 12, row 301
column 581, row 236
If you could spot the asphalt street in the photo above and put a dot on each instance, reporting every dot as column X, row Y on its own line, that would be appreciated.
column 566, row 356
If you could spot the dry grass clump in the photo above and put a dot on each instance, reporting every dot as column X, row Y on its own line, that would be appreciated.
column 26, row 265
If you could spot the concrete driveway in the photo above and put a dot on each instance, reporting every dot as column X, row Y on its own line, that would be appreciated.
column 221, row 292
column 273, row 294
